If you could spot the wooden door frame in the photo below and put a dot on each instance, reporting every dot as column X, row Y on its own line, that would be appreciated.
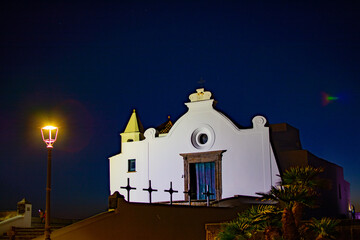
column 202, row 157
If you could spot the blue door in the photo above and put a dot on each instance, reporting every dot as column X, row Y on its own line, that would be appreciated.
column 205, row 175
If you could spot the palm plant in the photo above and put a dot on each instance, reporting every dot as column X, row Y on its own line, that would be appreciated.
column 302, row 176
column 325, row 228
column 266, row 219
column 261, row 218
column 298, row 188
column 306, row 180
column 288, row 198
column 239, row 229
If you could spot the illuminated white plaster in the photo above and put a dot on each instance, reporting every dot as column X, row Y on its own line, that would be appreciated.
column 248, row 164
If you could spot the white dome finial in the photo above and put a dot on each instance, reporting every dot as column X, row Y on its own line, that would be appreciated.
column 200, row 95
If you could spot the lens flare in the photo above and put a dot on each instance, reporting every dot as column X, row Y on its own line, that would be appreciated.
column 326, row 98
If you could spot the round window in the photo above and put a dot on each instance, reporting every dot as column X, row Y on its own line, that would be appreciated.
column 203, row 138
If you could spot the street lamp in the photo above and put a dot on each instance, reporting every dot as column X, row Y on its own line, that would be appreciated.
column 49, row 136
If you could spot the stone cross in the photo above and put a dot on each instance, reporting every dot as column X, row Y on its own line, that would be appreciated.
column 189, row 192
column 171, row 191
column 128, row 189
column 207, row 194
column 150, row 190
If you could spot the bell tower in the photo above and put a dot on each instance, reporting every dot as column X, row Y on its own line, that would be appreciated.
column 134, row 130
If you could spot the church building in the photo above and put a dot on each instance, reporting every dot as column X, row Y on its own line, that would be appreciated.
column 203, row 151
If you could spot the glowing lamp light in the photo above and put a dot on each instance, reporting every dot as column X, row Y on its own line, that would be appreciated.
column 49, row 135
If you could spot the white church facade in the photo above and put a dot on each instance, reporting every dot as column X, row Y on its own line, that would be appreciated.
column 203, row 150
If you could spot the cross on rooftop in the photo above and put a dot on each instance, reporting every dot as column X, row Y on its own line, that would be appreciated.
column 207, row 194
column 171, row 191
column 150, row 190
column 128, row 189
column 201, row 82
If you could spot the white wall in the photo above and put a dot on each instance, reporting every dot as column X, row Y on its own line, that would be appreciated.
column 248, row 165
column 23, row 220
column 119, row 170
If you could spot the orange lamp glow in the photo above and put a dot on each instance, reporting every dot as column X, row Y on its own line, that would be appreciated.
column 49, row 135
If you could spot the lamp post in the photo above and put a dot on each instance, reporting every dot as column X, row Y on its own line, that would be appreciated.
column 49, row 136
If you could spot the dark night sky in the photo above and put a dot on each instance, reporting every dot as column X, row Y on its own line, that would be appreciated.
column 85, row 66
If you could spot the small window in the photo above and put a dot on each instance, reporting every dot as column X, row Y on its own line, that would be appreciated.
column 203, row 138
column 131, row 165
